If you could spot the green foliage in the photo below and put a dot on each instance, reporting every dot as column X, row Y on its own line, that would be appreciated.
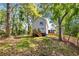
column 59, row 10
column 31, row 10
column 78, row 34
column 21, row 13
column 2, row 16
column 2, row 20
column 2, row 32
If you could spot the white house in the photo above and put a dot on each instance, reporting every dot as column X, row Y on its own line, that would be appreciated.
column 45, row 25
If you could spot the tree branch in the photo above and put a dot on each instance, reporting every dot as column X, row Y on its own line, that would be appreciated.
column 45, row 10
column 64, row 16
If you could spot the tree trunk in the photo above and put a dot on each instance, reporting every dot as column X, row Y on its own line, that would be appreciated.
column 28, row 24
column 8, row 20
column 59, row 23
column 78, row 41
column 60, row 34
column 12, row 27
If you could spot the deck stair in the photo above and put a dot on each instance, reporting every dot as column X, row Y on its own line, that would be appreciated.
column 37, row 32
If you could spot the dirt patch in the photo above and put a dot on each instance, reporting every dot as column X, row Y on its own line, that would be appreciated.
column 10, row 40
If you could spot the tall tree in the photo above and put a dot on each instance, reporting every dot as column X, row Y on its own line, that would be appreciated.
column 62, row 12
column 44, row 8
column 8, row 18
column 31, row 11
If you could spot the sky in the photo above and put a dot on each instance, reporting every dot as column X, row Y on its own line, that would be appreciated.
column 2, row 6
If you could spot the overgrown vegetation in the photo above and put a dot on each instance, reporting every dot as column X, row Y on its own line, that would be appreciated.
column 42, row 46
column 16, row 19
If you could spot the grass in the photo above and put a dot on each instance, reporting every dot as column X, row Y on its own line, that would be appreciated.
column 23, row 43
column 45, row 46
column 42, row 46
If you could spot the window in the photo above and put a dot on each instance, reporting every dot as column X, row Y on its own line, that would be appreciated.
column 41, row 23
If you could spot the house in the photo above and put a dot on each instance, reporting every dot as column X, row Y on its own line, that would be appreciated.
column 44, row 25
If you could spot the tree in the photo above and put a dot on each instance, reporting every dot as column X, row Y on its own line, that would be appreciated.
column 8, row 18
column 30, row 11
column 18, row 19
column 62, row 12
column 44, row 8
column 2, row 16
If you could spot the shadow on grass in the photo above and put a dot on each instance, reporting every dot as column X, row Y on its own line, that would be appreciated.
column 16, row 37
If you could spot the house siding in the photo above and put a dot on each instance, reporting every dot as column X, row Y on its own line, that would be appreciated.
column 41, row 27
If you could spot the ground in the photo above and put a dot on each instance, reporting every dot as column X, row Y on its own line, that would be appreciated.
column 36, row 46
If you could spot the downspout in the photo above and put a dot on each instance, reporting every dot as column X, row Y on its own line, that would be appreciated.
column 46, row 27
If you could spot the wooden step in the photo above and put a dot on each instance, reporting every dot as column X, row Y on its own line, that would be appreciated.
column 37, row 33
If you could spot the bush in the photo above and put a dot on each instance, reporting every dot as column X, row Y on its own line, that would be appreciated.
column 2, row 32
